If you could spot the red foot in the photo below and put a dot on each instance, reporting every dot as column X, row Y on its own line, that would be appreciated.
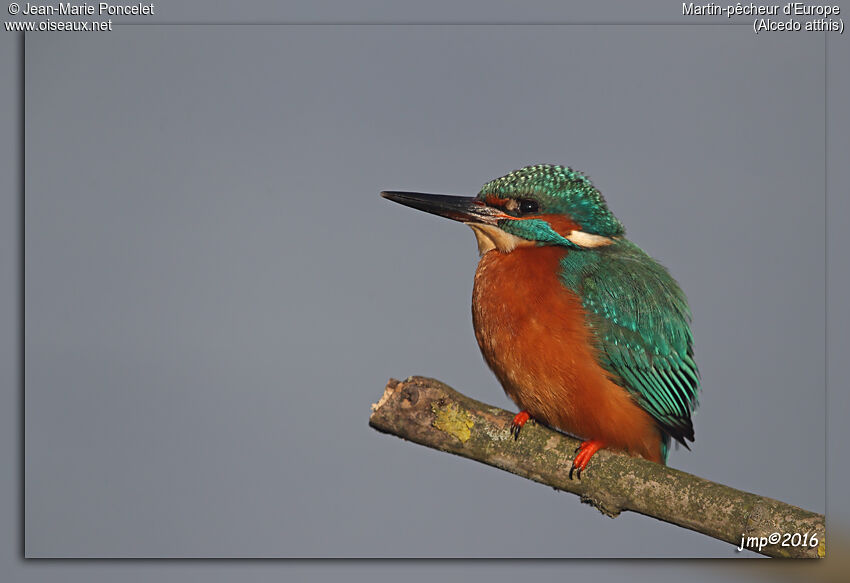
column 583, row 454
column 519, row 421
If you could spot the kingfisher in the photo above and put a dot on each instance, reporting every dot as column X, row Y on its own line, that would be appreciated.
column 585, row 332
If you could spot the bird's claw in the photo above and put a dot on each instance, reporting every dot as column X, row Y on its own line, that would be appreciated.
column 520, row 419
column 583, row 454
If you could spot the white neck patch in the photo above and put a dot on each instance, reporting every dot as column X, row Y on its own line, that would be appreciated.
column 491, row 237
column 583, row 239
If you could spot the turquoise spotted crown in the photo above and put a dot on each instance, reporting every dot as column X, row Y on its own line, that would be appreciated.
column 559, row 190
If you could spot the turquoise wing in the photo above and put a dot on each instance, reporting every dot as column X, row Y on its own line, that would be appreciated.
column 641, row 322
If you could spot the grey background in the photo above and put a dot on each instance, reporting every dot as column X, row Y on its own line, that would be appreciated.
column 215, row 293
column 557, row 503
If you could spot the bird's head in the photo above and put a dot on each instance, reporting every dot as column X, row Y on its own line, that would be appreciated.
column 536, row 205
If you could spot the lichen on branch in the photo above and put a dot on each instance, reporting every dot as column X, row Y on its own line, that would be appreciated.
column 433, row 414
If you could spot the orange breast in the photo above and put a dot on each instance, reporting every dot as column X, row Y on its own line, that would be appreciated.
column 532, row 332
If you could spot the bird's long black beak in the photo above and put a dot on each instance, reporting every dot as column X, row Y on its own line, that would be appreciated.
column 466, row 209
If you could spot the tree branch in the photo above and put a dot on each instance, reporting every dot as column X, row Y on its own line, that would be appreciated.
column 431, row 413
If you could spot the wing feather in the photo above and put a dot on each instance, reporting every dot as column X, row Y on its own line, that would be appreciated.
column 641, row 322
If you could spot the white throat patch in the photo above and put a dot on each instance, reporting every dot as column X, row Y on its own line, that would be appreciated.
column 491, row 237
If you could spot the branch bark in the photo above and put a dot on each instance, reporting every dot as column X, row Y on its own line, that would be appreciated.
column 433, row 414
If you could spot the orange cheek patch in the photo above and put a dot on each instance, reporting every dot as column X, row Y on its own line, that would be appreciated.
column 561, row 224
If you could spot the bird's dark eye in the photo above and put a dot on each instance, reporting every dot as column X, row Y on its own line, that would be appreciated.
column 526, row 205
